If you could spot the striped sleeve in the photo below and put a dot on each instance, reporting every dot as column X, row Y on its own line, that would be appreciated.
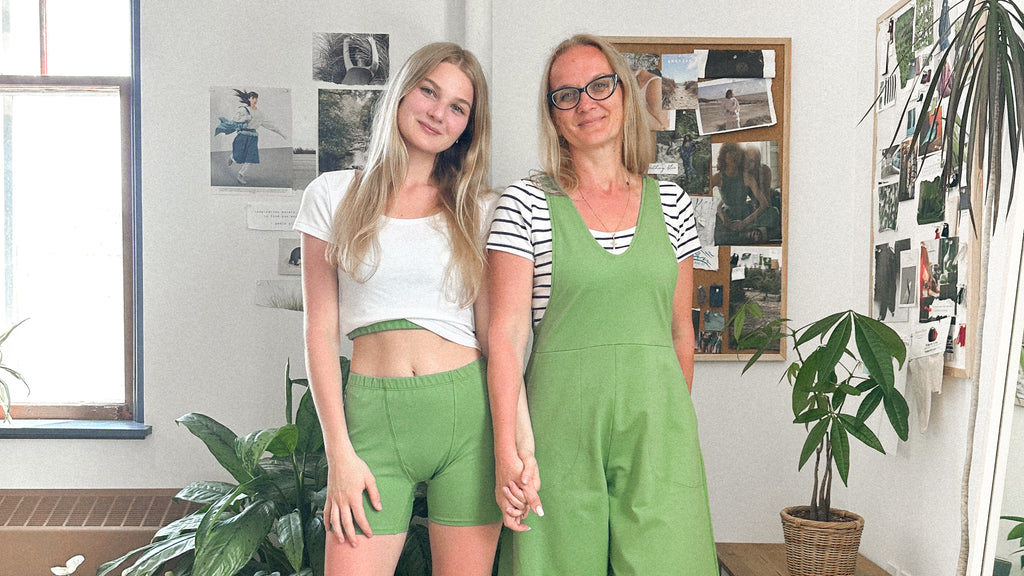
column 679, row 220
column 512, row 227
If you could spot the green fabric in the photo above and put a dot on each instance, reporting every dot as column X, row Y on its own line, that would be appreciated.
column 434, row 428
column 616, row 433
column 384, row 326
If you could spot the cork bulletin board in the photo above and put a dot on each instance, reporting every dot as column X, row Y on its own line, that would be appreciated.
column 722, row 134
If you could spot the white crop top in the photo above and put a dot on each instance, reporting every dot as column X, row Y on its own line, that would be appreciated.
column 410, row 278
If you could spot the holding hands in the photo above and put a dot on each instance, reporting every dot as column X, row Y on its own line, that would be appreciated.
column 518, row 484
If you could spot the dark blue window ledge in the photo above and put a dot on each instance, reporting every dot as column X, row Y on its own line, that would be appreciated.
column 87, row 429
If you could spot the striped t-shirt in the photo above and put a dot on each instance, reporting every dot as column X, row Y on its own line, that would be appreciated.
column 522, row 226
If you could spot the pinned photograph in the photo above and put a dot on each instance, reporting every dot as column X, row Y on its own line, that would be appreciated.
column 735, row 63
column 931, row 141
column 908, row 171
column 761, row 282
column 907, row 290
column 689, row 153
column 351, row 59
column 681, row 71
column 888, row 207
column 904, row 44
column 283, row 294
column 250, row 143
column 346, row 117
column 653, row 88
column 709, row 342
column 734, row 104
column 924, row 22
column 931, row 201
column 889, row 162
column 289, row 257
column 746, row 183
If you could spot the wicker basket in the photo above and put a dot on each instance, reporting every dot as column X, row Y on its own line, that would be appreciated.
column 821, row 548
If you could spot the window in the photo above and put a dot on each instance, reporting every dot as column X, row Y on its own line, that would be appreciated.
column 70, row 253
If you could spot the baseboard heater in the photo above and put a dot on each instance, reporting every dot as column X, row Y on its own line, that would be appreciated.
column 44, row 528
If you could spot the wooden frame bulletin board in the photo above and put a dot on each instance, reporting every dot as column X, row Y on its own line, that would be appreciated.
column 925, row 254
column 738, row 264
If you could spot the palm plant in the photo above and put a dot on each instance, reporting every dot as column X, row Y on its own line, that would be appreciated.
column 5, row 390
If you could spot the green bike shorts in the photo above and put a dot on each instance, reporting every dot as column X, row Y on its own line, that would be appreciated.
column 434, row 428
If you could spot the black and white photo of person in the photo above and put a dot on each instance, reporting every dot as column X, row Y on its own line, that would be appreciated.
column 239, row 117
column 682, row 70
column 908, row 287
column 730, row 104
column 351, row 59
column 652, row 87
column 345, row 119
column 289, row 257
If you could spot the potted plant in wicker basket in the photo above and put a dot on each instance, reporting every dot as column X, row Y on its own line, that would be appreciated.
column 821, row 540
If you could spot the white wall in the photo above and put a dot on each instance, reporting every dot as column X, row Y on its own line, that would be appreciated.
column 208, row 349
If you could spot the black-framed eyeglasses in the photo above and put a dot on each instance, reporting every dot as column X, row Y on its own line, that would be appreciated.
column 599, row 88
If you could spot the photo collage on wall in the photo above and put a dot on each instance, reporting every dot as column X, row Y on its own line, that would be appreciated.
column 711, row 111
column 920, row 226
column 252, row 143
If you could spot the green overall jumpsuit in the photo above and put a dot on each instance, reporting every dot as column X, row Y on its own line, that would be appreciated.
column 616, row 433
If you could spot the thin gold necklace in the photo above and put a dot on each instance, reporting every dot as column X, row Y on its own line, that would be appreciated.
column 615, row 231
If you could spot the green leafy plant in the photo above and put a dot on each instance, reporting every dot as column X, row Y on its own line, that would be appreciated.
column 824, row 376
column 5, row 391
column 269, row 522
column 1016, row 533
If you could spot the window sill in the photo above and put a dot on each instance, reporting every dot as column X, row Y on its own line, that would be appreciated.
column 72, row 429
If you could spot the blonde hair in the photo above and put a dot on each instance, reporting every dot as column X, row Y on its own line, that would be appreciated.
column 637, row 143
column 460, row 172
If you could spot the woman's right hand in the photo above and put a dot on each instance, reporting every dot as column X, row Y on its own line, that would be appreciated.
column 347, row 479
column 516, row 489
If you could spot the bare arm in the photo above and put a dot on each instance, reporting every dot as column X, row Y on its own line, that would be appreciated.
column 348, row 475
column 510, row 293
column 682, row 322
column 653, row 97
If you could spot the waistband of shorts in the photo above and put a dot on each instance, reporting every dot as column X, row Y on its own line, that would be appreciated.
column 472, row 371
column 384, row 326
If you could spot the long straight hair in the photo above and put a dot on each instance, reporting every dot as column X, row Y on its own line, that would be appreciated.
column 637, row 143
column 461, row 173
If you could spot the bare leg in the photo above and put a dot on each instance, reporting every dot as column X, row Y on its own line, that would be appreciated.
column 463, row 550
column 375, row 556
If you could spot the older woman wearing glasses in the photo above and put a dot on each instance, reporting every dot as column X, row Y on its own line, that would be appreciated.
column 595, row 258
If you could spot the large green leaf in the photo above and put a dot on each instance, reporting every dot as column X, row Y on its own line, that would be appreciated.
column 231, row 543
column 213, row 514
column 180, row 526
column 869, row 403
column 840, row 450
column 311, row 437
column 316, row 542
column 814, row 438
column 873, row 352
column 205, row 492
column 820, row 327
column 859, row 430
column 289, row 534
column 250, row 448
column 897, row 411
column 812, row 415
column 804, row 382
column 220, row 440
column 837, row 342
column 153, row 557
